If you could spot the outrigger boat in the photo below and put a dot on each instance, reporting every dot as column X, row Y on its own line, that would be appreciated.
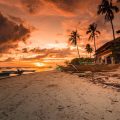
column 17, row 72
column 5, row 73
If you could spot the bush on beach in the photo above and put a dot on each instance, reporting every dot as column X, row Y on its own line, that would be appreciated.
column 84, row 64
column 82, row 61
column 59, row 68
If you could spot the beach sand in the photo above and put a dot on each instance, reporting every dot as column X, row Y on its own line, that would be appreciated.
column 57, row 96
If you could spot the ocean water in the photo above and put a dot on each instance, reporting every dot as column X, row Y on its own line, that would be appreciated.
column 36, row 69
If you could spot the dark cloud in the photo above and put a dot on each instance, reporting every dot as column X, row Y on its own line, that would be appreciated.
column 53, row 52
column 36, row 50
column 16, row 19
column 24, row 50
column 32, row 6
column 11, row 34
column 34, row 58
column 76, row 6
column 66, row 5
column 9, row 59
column 48, row 53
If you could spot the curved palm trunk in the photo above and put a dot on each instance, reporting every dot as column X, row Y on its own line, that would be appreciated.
column 95, row 49
column 90, row 55
column 78, row 51
column 113, row 29
column 113, row 52
column 94, row 44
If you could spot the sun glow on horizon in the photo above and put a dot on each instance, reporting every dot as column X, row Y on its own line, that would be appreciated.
column 39, row 64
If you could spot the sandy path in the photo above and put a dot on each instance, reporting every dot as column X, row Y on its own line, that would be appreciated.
column 56, row 96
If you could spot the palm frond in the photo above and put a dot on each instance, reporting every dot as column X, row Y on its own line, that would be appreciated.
column 106, row 7
column 118, row 32
column 98, row 32
column 74, row 37
column 90, row 37
column 115, row 8
column 88, row 32
column 92, row 30
column 89, row 48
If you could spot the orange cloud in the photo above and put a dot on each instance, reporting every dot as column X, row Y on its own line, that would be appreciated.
column 54, row 20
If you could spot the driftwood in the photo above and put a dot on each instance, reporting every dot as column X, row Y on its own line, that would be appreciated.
column 74, row 67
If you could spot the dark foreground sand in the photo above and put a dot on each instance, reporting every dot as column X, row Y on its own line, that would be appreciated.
column 56, row 96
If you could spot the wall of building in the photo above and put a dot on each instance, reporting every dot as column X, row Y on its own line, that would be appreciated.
column 105, row 58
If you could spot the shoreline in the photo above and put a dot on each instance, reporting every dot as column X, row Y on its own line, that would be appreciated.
column 1, row 78
column 99, row 80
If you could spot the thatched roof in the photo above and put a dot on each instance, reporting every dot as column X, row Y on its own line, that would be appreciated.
column 109, row 45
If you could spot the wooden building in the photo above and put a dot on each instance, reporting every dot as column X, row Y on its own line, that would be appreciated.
column 109, row 53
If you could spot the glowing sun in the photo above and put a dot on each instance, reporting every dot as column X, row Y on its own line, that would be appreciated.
column 38, row 64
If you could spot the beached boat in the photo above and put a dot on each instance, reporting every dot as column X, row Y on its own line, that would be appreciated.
column 28, row 70
column 17, row 72
column 2, row 74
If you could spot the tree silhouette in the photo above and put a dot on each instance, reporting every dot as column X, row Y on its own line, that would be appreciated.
column 107, row 8
column 118, row 32
column 74, row 37
column 89, row 49
column 92, row 30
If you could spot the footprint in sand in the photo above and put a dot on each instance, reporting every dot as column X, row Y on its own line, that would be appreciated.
column 110, row 111
column 60, row 108
column 52, row 85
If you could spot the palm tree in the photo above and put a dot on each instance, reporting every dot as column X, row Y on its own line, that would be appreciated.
column 118, row 32
column 107, row 8
column 74, row 37
column 89, row 49
column 92, row 30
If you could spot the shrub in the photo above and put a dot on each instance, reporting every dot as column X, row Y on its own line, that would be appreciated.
column 79, row 61
column 59, row 68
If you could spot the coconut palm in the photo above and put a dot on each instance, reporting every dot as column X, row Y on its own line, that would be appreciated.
column 108, row 9
column 92, row 30
column 89, row 49
column 118, row 32
column 74, row 37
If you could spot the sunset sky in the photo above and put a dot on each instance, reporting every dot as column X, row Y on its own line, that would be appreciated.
column 36, row 32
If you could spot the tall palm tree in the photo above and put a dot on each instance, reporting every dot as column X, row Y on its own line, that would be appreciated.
column 107, row 8
column 89, row 49
column 118, row 32
column 74, row 37
column 92, row 30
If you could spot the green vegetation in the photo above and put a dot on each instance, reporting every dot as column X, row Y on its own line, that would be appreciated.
column 80, row 61
column 59, row 68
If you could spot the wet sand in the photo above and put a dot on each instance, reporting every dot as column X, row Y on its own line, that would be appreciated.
column 56, row 96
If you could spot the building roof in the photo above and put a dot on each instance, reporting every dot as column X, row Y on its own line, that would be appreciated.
column 109, row 45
